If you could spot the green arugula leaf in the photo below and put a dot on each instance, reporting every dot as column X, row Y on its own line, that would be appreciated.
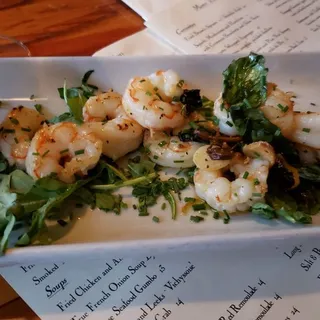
column 21, row 182
column 75, row 98
column 6, row 233
column 294, row 216
column 263, row 210
column 56, row 192
column 311, row 172
column 245, row 79
column 64, row 117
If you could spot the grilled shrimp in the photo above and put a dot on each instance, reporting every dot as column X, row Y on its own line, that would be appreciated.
column 307, row 129
column 170, row 151
column 278, row 109
column 226, row 124
column 151, row 100
column 251, row 172
column 65, row 149
column 106, row 118
column 17, row 131
column 119, row 136
column 103, row 107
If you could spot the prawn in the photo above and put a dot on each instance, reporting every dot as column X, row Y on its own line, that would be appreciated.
column 119, row 136
column 65, row 149
column 251, row 171
column 278, row 109
column 170, row 151
column 154, row 101
column 106, row 118
column 307, row 129
column 17, row 130
column 103, row 107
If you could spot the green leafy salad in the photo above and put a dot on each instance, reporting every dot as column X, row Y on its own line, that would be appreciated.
column 291, row 190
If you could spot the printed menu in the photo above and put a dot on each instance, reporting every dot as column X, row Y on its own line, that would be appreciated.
column 219, row 26
column 263, row 280
column 142, row 43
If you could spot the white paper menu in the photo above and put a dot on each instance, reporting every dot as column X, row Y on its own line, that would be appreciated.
column 264, row 280
column 142, row 43
column 146, row 8
column 220, row 26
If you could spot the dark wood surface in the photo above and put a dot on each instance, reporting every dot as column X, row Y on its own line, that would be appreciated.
column 59, row 28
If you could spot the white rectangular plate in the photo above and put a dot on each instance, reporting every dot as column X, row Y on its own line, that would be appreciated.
column 100, row 232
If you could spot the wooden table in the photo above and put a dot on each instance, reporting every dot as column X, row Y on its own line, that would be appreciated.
column 60, row 28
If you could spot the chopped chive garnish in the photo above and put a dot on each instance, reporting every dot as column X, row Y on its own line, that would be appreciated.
column 14, row 120
column 38, row 107
column 155, row 157
column 16, row 140
column 193, row 125
column 245, row 175
column 199, row 206
column 158, row 95
column 256, row 182
column 64, row 151
column 8, row 131
column 216, row 120
column 282, row 108
column 227, row 217
column 62, row 222
column 144, row 108
column 235, row 194
column 178, row 161
column 204, row 213
column 32, row 97
column 189, row 199
column 216, row 215
column 124, row 205
column 163, row 206
column 35, row 153
column 196, row 219
column 78, row 152
column 155, row 89
column 142, row 80
column 256, row 194
column 277, row 133
column 306, row 130
column 45, row 153
column 247, row 103
column 162, row 143
column 155, row 219
column 257, row 154
column 176, row 99
column 26, row 129
column 229, row 124
column 148, row 93
column 180, row 83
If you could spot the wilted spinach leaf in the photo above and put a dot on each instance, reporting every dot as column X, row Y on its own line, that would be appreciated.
column 245, row 79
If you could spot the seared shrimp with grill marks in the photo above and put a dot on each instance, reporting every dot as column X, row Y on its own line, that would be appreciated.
column 154, row 101
column 65, row 149
column 251, row 172
column 16, row 133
